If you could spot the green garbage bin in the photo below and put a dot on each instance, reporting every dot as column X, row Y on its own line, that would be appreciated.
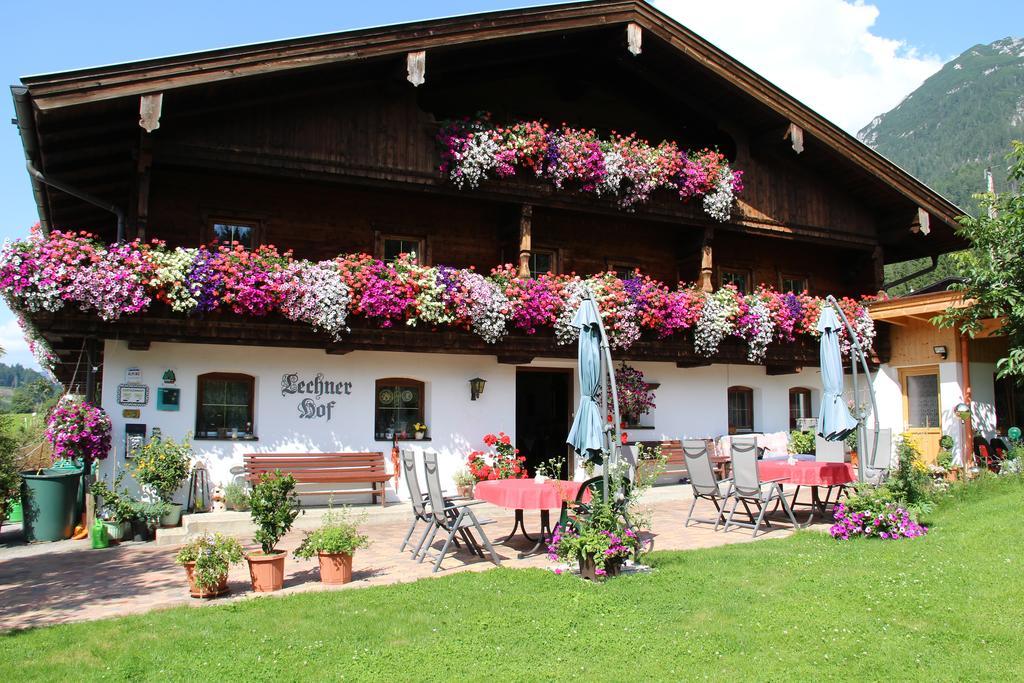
column 14, row 511
column 49, row 502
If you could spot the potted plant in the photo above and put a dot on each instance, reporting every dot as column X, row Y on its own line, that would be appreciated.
column 650, row 463
column 420, row 430
column 635, row 395
column 117, row 509
column 464, row 481
column 504, row 462
column 206, row 560
column 146, row 516
column 334, row 543
column 162, row 465
column 50, row 496
column 274, row 505
column 599, row 542
column 236, row 496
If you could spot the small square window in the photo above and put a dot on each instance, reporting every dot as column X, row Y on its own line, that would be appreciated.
column 231, row 231
column 738, row 278
column 225, row 406
column 398, row 407
column 542, row 262
column 393, row 247
column 794, row 283
column 623, row 270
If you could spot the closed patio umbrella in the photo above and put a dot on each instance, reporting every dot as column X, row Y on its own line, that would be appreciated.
column 834, row 419
column 587, row 435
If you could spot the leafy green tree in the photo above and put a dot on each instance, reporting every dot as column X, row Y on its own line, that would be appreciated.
column 994, row 267
column 29, row 398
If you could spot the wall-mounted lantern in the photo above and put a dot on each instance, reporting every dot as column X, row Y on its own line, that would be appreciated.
column 476, row 388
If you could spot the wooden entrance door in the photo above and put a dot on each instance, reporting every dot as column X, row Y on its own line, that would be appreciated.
column 922, row 415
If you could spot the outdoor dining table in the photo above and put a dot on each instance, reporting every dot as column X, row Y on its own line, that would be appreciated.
column 529, row 494
column 815, row 475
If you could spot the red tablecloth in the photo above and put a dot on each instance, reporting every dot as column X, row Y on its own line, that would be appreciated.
column 527, row 494
column 806, row 473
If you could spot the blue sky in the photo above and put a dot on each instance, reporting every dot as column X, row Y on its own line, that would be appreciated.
column 66, row 34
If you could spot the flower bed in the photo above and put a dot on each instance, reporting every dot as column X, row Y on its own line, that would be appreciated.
column 622, row 166
column 49, row 272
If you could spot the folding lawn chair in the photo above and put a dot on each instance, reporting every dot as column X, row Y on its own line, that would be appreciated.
column 703, row 482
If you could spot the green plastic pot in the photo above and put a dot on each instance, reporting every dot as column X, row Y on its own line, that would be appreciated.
column 48, row 501
column 118, row 531
column 173, row 517
column 14, row 512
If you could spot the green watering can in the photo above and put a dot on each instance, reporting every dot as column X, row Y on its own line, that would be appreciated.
column 99, row 535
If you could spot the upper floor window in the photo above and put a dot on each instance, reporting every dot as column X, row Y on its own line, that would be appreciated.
column 398, row 406
column 738, row 277
column 793, row 283
column 624, row 269
column 799, row 405
column 741, row 410
column 228, row 231
column 224, row 406
column 543, row 261
column 390, row 247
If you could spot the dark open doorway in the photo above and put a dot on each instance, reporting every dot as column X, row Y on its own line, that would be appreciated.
column 543, row 407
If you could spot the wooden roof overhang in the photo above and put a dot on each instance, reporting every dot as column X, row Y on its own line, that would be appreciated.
column 82, row 125
column 68, row 330
column 924, row 308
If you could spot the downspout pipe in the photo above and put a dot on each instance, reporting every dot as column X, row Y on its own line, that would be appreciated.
column 26, row 128
column 38, row 175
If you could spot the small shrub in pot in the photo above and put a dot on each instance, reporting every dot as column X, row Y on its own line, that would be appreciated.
column 334, row 543
column 274, row 505
column 206, row 559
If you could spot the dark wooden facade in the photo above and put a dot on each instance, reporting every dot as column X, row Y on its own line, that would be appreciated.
column 325, row 145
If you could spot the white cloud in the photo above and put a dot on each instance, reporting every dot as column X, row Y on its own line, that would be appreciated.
column 820, row 51
column 13, row 342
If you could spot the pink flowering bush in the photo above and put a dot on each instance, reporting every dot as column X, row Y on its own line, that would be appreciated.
column 886, row 521
column 78, row 431
column 45, row 273
column 622, row 166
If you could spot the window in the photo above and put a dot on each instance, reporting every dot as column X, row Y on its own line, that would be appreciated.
column 543, row 261
column 392, row 246
column 922, row 398
column 741, row 410
column 398, row 405
column 624, row 269
column 224, row 408
column 226, row 231
column 735, row 276
column 793, row 283
column 799, row 405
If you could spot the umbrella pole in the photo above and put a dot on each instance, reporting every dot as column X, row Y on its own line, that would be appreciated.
column 857, row 353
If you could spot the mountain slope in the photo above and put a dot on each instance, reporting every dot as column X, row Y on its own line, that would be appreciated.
column 948, row 131
column 959, row 122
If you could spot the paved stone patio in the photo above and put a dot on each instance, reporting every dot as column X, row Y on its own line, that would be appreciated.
column 68, row 581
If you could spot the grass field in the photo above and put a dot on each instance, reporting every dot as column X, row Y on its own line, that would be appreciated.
column 949, row 606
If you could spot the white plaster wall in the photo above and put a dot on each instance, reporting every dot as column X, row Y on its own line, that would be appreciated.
column 690, row 402
column 889, row 395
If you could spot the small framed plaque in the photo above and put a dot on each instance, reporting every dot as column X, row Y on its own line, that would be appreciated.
column 132, row 394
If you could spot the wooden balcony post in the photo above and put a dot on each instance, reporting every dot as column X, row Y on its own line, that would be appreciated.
column 525, row 239
column 706, row 260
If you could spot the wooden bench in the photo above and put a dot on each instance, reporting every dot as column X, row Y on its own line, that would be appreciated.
column 321, row 469
column 675, row 461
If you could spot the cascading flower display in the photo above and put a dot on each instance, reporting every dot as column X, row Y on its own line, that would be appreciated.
column 622, row 166
column 889, row 522
column 44, row 273
column 78, row 431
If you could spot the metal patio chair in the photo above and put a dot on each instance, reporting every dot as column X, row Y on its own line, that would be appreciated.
column 419, row 503
column 829, row 451
column 704, row 483
column 451, row 516
column 747, row 487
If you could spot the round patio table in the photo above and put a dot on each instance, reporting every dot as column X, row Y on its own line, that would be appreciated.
column 528, row 494
column 815, row 475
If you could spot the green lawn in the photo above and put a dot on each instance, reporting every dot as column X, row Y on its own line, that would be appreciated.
column 947, row 606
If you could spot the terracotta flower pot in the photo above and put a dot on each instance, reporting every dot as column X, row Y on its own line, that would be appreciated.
column 335, row 567
column 197, row 591
column 465, row 491
column 266, row 571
